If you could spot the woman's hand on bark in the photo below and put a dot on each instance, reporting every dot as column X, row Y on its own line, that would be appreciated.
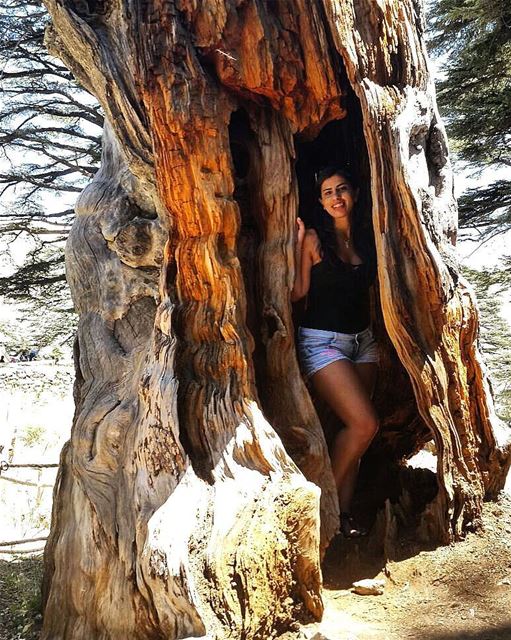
column 300, row 230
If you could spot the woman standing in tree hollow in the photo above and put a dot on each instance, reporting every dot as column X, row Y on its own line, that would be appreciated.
column 336, row 347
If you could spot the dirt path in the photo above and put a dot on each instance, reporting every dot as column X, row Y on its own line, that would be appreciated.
column 462, row 592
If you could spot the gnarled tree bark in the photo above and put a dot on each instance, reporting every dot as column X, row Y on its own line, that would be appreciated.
column 189, row 497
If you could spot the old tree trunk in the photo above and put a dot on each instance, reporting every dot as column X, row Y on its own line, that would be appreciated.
column 195, row 495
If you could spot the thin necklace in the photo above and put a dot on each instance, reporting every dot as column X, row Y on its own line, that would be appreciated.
column 346, row 240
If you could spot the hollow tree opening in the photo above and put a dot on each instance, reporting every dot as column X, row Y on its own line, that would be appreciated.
column 340, row 142
column 402, row 433
column 151, row 538
column 246, row 162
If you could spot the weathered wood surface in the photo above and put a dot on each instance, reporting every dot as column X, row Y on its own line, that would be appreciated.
column 429, row 312
column 178, row 509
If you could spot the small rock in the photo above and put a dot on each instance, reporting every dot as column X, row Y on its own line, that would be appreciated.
column 505, row 581
column 368, row 587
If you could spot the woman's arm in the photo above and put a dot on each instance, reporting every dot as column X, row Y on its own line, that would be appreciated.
column 305, row 249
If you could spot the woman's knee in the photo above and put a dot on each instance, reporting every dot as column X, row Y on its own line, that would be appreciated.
column 366, row 428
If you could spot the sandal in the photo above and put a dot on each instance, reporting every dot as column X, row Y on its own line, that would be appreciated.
column 349, row 528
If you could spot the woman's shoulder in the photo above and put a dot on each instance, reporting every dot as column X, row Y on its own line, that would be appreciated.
column 311, row 242
column 311, row 235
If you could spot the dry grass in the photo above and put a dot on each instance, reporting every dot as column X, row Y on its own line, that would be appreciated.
column 20, row 598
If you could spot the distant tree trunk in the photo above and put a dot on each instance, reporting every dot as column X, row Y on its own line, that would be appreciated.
column 178, row 509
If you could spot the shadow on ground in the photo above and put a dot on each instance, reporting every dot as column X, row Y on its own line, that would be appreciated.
column 20, row 597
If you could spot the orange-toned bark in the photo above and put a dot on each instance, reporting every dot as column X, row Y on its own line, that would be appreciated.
column 189, row 497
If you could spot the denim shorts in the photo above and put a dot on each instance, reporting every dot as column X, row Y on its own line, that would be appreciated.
column 318, row 348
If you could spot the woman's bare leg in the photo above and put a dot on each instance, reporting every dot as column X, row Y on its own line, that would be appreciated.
column 367, row 372
column 345, row 387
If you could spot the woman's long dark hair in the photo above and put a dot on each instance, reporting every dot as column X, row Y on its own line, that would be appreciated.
column 323, row 222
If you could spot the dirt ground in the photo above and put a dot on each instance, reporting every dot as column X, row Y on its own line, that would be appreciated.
column 461, row 592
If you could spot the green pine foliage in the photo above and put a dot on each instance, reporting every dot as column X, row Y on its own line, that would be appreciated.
column 475, row 98
column 492, row 289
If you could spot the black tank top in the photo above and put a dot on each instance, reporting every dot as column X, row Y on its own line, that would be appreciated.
column 338, row 298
